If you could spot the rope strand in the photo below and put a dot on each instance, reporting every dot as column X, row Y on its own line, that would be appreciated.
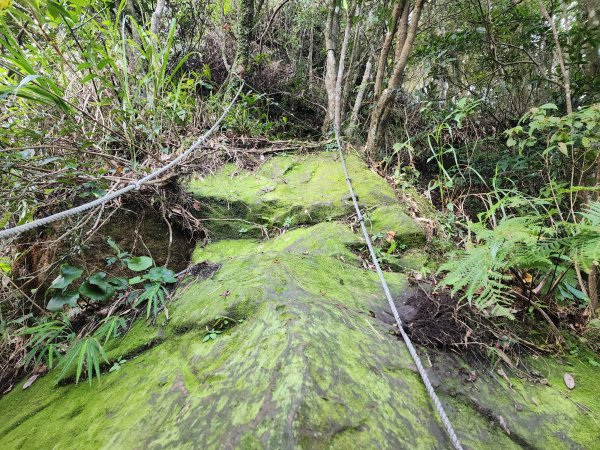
column 5, row 234
column 411, row 349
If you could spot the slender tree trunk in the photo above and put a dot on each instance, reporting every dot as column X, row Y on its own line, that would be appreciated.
column 310, row 63
column 351, row 75
column 359, row 99
column 156, row 16
column 331, row 62
column 340, row 73
column 381, row 113
column 241, row 65
column 561, row 60
column 385, row 49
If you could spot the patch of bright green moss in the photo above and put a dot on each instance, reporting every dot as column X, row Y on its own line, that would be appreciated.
column 302, row 364
column 392, row 218
column 285, row 191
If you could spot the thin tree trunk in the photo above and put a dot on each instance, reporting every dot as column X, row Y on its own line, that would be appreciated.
column 381, row 112
column 341, row 66
column 331, row 63
column 310, row 63
column 350, row 77
column 402, row 32
column 561, row 60
column 385, row 49
column 359, row 99
column 156, row 16
column 244, row 38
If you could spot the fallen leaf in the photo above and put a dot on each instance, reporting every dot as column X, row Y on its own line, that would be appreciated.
column 504, row 357
column 503, row 375
column 30, row 381
column 503, row 424
column 569, row 380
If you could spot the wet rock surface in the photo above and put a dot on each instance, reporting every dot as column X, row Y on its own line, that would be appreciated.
column 306, row 356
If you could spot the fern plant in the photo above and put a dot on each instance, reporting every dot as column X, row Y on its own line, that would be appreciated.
column 523, row 257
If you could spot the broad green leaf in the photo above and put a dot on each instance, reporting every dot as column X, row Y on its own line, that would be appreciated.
column 118, row 282
column 96, row 288
column 139, row 263
column 549, row 106
column 58, row 301
column 5, row 266
column 135, row 280
column 68, row 274
column 161, row 274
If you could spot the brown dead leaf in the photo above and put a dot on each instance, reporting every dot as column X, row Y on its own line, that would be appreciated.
column 503, row 424
column 503, row 375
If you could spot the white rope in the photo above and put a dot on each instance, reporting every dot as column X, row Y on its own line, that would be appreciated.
column 407, row 341
column 4, row 234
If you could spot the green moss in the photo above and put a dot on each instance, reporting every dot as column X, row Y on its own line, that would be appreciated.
column 392, row 218
column 304, row 364
column 287, row 191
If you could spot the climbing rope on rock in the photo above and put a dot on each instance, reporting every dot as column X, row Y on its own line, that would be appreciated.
column 5, row 234
column 411, row 349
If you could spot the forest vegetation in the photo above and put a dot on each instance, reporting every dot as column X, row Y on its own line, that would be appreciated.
column 490, row 109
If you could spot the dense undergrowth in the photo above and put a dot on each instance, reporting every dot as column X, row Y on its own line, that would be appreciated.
column 496, row 121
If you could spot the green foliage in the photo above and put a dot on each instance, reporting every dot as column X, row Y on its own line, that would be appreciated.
column 250, row 116
column 84, row 356
column 139, row 263
column 109, row 328
column 53, row 341
column 84, row 79
column 523, row 252
column 154, row 295
column 47, row 339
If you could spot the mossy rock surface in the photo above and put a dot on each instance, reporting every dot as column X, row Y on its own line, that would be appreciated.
column 301, row 361
column 285, row 192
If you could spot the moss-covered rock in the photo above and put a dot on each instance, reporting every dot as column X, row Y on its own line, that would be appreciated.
column 298, row 359
column 285, row 192
column 392, row 218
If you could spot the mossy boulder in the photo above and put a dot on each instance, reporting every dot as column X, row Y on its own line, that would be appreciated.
column 284, row 347
column 285, row 192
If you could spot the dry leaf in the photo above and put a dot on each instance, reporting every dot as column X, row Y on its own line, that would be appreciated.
column 503, row 424
column 30, row 381
column 503, row 375
column 569, row 380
